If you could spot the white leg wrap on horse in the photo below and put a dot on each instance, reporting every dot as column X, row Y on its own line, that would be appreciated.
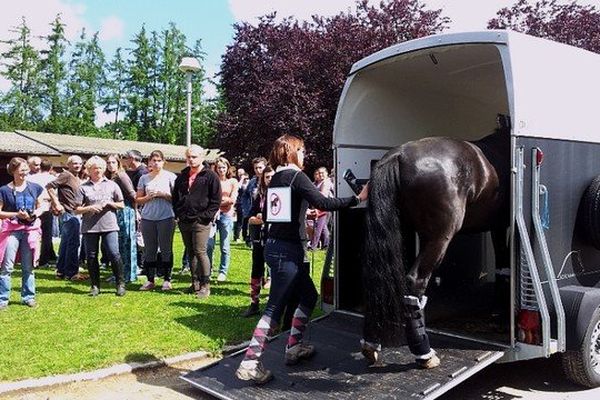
column 426, row 356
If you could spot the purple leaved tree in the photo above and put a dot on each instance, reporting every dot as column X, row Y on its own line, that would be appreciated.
column 574, row 24
column 287, row 76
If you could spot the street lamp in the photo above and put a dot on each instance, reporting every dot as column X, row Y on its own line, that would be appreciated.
column 189, row 65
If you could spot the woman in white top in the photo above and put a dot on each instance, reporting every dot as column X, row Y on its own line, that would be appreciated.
column 229, row 190
column 158, row 219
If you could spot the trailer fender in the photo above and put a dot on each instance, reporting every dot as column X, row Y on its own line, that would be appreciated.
column 579, row 303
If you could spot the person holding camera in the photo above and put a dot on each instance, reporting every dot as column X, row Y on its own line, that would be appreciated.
column 20, row 206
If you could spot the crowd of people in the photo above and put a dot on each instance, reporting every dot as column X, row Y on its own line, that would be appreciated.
column 122, row 212
column 127, row 211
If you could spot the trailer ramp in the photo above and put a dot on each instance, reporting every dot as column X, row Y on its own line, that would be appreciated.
column 338, row 370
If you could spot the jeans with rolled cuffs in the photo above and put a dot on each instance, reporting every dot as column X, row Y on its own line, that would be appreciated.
column 290, row 277
column 225, row 230
column 17, row 243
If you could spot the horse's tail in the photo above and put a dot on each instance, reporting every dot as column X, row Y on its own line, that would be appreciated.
column 384, row 275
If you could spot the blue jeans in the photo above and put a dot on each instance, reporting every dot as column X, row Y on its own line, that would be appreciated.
column 17, row 242
column 68, row 251
column 290, row 277
column 225, row 229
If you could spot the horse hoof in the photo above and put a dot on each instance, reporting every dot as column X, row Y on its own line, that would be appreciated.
column 431, row 362
column 371, row 355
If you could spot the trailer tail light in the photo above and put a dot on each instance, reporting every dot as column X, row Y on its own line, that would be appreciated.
column 539, row 157
column 327, row 289
column 529, row 327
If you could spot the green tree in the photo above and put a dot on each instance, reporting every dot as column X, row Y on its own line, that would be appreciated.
column 113, row 96
column 85, row 83
column 204, row 111
column 22, row 102
column 53, row 76
column 140, row 86
column 171, row 85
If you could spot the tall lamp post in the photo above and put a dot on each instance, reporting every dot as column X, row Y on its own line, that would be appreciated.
column 189, row 65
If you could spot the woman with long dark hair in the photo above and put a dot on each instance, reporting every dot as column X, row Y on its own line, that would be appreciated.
column 158, row 219
column 126, row 217
column 288, row 197
column 255, row 227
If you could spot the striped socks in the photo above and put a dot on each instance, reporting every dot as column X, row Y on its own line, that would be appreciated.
column 259, row 339
column 301, row 316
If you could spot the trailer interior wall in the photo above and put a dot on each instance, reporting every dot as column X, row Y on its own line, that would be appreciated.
column 454, row 91
column 447, row 91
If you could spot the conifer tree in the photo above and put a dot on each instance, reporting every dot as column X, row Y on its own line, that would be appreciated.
column 53, row 76
column 84, row 86
column 22, row 102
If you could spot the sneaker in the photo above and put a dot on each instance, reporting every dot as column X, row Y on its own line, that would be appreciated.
column 120, row 289
column 166, row 286
column 30, row 303
column 252, row 310
column 253, row 371
column 204, row 291
column 148, row 286
column 266, row 283
column 222, row 277
column 94, row 291
column 59, row 276
column 299, row 352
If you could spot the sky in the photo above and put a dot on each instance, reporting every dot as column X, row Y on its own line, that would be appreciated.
column 209, row 20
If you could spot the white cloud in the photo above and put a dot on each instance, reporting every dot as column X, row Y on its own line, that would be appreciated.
column 39, row 15
column 244, row 10
column 111, row 28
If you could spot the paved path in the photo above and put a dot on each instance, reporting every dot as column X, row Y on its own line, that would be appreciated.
column 530, row 380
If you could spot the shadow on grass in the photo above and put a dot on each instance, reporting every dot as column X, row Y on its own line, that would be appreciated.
column 231, row 330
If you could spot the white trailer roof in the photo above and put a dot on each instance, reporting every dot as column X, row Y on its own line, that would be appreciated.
column 455, row 84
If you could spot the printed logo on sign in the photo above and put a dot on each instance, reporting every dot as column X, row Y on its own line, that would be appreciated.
column 279, row 204
column 275, row 204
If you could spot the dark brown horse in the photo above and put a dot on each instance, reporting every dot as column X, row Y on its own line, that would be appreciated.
column 435, row 187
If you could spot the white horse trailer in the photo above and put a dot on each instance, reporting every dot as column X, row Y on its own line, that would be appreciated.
column 455, row 85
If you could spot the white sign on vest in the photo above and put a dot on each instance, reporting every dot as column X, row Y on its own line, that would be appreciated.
column 279, row 204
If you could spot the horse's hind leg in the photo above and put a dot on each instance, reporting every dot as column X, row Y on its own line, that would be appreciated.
column 430, row 256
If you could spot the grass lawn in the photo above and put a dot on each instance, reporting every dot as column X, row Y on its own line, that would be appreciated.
column 71, row 332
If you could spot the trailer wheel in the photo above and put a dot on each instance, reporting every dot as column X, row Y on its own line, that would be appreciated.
column 591, row 213
column 583, row 366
